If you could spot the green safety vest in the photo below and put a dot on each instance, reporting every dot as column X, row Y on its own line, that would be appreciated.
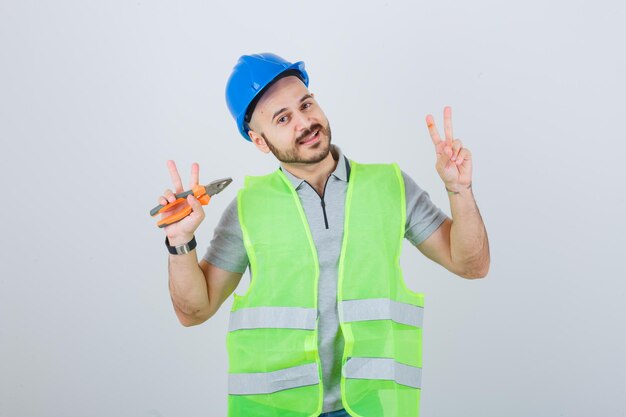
column 274, row 364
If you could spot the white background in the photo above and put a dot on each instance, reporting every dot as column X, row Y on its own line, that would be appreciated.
column 96, row 96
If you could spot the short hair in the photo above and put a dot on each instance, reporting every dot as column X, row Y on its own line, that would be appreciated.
column 248, row 116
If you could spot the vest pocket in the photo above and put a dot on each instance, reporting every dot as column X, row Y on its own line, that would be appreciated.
column 384, row 328
column 296, row 402
column 273, row 368
column 383, row 369
column 270, row 382
column 273, row 371
column 376, row 397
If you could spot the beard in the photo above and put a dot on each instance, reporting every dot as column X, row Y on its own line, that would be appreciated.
column 294, row 156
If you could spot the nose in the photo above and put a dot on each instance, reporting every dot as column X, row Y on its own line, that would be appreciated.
column 301, row 121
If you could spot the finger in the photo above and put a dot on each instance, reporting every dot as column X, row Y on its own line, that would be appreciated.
column 178, row 184
column 464, row 155
column 457, row 145
column 195, row 173
column 169, row 196
column 432, row 129
column 440, row 148
column 195, row 205
column 459, row 158
column 193, row 202
column 444, row 156
column 447, row 123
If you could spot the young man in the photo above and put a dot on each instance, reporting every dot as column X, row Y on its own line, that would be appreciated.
column 327, row 325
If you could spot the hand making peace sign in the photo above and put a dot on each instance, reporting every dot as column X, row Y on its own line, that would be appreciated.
column 184, row 229
column 454, row 163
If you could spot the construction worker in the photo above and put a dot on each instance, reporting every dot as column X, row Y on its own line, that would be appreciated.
column 327, row 326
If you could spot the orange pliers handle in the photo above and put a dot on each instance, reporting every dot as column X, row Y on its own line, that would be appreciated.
column 201, row 192
column 198, row 191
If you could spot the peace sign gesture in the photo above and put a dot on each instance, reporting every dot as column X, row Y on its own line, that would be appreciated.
column 454, row 163
column 183, row 230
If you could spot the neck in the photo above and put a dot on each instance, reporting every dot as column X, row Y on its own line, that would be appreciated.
column 315, row 174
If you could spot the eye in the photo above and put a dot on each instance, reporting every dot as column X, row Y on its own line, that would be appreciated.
column 306, row 105
column 282, row 119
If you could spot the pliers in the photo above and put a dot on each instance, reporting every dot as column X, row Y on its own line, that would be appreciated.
column 202, row 192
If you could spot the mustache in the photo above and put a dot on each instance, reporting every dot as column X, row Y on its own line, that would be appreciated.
column 310, row 130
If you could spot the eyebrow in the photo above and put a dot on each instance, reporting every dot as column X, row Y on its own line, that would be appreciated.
column 304, row 97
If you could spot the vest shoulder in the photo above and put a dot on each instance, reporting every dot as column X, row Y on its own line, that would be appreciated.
column 375, row 167
column 255, row 180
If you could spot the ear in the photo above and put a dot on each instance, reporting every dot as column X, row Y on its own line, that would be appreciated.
column 258, row 141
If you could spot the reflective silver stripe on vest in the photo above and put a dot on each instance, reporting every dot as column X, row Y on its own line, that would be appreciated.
column 268, row 382
column 382, row 309
column 273, row 318
column 383, row 368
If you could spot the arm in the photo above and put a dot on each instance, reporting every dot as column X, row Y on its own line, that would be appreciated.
column 198, row 290
column 460, row 244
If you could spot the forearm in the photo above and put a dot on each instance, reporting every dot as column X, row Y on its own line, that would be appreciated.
column 469, row 246
column 188, row 288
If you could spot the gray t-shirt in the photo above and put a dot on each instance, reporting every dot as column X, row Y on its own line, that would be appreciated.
column 326, row 218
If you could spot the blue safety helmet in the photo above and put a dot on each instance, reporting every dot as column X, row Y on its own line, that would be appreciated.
column 252, row 75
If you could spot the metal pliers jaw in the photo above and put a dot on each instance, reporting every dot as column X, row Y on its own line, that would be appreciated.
column 216, row 187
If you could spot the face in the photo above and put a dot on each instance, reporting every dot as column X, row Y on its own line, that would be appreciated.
column 288, row 122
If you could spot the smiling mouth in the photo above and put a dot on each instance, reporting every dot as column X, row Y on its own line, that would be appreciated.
column 311, row 138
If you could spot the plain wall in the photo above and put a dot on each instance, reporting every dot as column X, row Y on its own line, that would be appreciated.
column 96, row 96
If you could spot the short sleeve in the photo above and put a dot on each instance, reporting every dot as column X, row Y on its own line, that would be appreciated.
column 226, row 250
column 423, row 217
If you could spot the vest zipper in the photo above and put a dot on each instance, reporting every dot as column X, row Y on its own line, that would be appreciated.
column 324, row 210
column 322, row 199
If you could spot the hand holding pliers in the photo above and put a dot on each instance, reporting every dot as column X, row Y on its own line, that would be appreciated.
column 202, row 193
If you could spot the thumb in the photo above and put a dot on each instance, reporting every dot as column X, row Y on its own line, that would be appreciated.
column 193, row 202
column 196, row 206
